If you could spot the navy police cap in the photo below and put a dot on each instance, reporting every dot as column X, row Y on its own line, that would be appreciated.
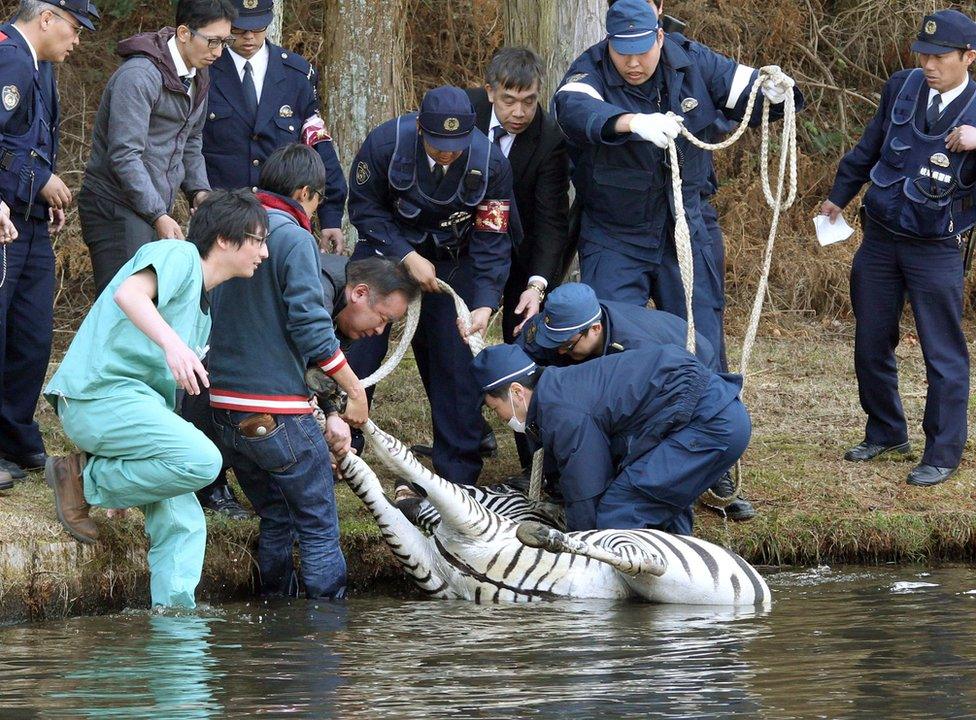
column 446, row 118
column 501, row 365
column 83, row 11
column 570, row 309
column 253, row 14
column 632, row 26
column 945, row 30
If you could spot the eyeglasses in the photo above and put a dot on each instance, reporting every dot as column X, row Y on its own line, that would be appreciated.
column 570, row 345
column 237, row 32
column 258, row 239
column 213, row 43
column 74, row 26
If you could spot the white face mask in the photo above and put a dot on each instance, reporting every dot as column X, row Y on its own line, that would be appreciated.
column 513, row 422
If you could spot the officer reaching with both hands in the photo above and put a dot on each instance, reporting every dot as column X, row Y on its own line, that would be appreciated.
column 919, row 154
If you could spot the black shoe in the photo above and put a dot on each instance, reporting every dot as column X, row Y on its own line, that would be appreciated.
column 220, row 499
column 15, row 471
column 31, row 461
column 520, row 482
column 6, row 481
column 422, row 450
column 869, row 451
column 925, row 475
column 724, row 487
column 740, row 510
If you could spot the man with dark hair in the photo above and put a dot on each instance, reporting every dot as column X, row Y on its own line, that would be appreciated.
column 918, row 208
column 263, row 97
column 431, row 191
column 116, row 388
column 147, row 139
column 266, row 333
column 43, row 33
column 636, row 437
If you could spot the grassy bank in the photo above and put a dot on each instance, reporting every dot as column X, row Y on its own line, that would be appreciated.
column 814, row 507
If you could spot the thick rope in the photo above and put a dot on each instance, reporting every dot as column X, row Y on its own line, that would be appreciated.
column 535, row 476
column 682, row 234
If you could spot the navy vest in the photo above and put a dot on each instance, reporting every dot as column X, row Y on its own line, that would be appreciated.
column 448, row 221
column 917, row 185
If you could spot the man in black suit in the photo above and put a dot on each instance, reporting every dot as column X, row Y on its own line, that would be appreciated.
column 507, row 111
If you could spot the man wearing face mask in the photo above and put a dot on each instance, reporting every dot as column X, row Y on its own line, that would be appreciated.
column 636, row 437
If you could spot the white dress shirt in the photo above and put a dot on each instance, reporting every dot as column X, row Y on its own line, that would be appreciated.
column 507, row 141
column 948, row 96
column 259, row 67
column 181, row 69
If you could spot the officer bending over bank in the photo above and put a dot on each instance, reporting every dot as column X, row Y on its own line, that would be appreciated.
column 115, row 391
column 918, row 154
column 636, row 436
column 578, row 327
column 431, row 191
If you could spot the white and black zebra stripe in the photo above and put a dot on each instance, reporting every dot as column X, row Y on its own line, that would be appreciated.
column 506, row 500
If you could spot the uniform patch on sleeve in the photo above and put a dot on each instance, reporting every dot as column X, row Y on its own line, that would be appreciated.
column 362, row 173
column 492, row 216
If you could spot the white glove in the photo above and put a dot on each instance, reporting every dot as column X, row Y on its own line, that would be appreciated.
column 656, row 127
column 777, row 88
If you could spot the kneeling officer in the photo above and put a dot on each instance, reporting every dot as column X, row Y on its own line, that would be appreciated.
column 636, row 436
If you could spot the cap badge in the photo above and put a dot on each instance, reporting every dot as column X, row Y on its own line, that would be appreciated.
column 451, row 124
column 362, row 173
column 250, row 4
column 931, row 27
column 11, row 97
column 530, row 333
column 940, row 159
column 286, row 111
column 689, row 104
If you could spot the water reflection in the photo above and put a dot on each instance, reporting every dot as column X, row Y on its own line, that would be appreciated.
column 836, row 644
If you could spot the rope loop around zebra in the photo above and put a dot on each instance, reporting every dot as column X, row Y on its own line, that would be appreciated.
column 682, row 233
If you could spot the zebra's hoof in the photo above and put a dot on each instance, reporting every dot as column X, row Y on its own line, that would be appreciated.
column 535, row 535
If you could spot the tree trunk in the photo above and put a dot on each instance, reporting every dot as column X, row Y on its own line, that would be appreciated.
column 558, row 30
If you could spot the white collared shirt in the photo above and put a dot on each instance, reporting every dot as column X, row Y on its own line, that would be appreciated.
column 431, row 163
column 507, row 141
column 181, row 69
column 259, row 67
column 30, row 47
column 948, row 96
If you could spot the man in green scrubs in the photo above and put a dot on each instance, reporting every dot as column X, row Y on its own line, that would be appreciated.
column 115, row 391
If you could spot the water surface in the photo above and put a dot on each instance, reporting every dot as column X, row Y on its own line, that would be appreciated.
column 894, row 642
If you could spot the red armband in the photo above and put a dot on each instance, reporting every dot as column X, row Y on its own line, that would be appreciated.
column 314, row 132
column 333, row 364
column 492, row 216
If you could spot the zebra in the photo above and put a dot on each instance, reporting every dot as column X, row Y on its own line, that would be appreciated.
column 478, row 555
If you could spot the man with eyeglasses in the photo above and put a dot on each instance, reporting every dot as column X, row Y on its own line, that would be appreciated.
column 263, row 97
column 635, row 437
column 576, row 327
column 35, row 198
column 147, row 139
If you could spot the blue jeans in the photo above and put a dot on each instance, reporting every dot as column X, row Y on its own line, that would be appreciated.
column 288, row 478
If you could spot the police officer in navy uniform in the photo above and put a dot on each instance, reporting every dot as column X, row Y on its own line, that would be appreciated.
column 613, row 106
column 635, row 436
column 579, row 327
column 431, row 191
column 43, row 33
column 262, row 97
column 920, row 205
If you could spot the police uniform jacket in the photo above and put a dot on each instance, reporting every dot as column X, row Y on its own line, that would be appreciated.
column 623, row 181
column 396, row 208
column 29, row 117
column 626, row 327
column 918, row 187
column 235, row 145
column 600, row 416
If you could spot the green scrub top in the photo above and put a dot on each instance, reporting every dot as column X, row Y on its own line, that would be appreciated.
column 109, row 355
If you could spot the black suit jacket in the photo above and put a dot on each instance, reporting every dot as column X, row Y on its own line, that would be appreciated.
column 540, row 170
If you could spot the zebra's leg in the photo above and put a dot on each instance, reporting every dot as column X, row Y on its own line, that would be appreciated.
column 635, row 561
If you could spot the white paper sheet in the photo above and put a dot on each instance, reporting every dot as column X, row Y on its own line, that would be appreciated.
column 828, row 232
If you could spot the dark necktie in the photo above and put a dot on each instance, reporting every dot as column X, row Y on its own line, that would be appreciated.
column 932, row 114
column 500, row 132
column 250, row 92
column 438, row 172
column 187, row 82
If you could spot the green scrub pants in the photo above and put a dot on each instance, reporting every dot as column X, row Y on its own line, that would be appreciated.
column 143, row 454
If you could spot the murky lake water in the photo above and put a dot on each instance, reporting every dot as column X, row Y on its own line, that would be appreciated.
column 838, row 643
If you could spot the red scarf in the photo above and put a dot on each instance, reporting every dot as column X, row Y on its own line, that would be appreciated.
column 279, row 202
